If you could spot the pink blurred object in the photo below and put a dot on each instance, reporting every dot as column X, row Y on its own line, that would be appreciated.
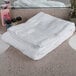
column 5, row 12
column 5, row 15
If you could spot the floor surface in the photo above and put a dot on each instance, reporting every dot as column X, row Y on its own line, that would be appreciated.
column 60, row 62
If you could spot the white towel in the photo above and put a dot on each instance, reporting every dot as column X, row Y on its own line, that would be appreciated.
column 3, row 46
column 39, row 33
column 37, row 39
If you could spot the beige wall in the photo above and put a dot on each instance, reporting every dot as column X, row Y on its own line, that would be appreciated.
column 27, row 13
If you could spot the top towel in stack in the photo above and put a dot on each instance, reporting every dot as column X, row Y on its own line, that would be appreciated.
column 39, row 35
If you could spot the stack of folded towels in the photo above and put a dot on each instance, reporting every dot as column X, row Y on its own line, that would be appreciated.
column 39, row 35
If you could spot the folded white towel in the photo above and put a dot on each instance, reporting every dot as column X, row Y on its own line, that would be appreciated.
column 39, row 35
column 3, row 46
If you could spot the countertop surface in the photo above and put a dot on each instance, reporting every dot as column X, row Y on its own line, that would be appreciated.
column 60, row 62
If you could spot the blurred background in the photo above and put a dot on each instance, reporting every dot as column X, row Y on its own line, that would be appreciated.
column 66, row 2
